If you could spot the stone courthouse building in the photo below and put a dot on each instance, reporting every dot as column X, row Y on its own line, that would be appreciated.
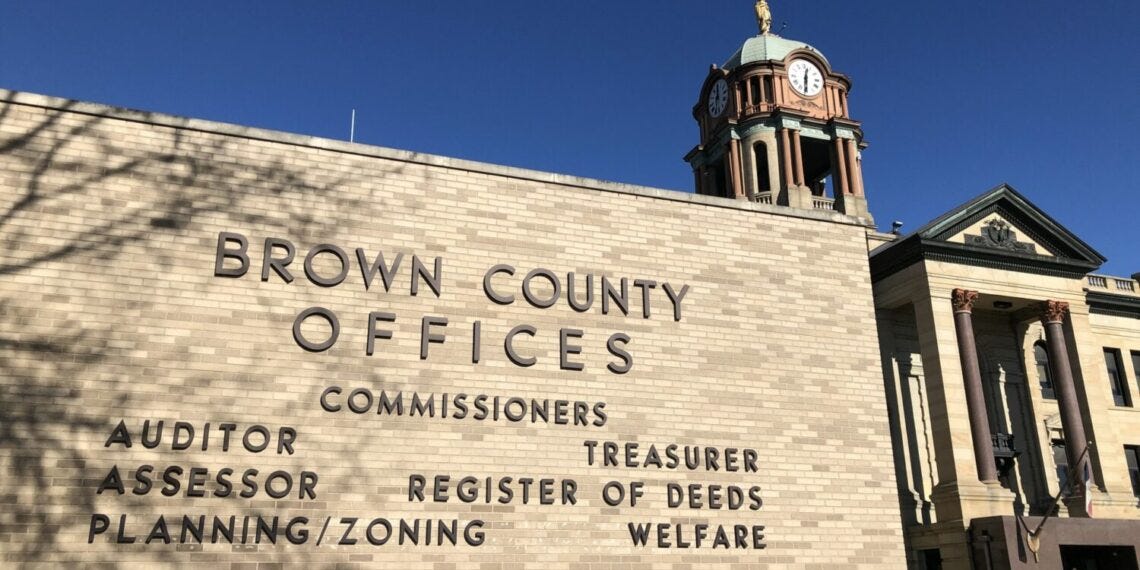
column 235, row 347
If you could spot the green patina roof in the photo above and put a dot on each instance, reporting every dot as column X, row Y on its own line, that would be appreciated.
column 768, row 47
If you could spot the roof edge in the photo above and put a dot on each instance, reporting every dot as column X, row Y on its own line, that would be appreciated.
column 1037, row 215
column 10, row 97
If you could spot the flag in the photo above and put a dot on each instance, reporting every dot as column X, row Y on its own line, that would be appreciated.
column 1086, row 475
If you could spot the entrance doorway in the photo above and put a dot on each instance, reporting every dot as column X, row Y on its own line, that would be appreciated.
column 1098, row 557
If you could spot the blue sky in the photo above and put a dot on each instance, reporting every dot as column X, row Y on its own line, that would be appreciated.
column 955, row 97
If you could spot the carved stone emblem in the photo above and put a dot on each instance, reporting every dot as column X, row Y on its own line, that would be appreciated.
column 997, row 234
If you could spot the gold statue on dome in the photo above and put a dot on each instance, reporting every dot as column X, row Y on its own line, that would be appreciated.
column 763, row 16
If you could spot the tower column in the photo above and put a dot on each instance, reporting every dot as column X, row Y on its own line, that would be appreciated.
column 1053, row 317
column 840, row 168
column 853, row 175
column 738, row 99
column 786, row 159
column 963, row 302
column 798, row 158
column 734, row 169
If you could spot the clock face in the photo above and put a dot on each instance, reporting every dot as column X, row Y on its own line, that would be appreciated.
column 718, row 98
column 805, row 77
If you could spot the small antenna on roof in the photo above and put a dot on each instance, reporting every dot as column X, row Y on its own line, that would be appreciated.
column 352, row 127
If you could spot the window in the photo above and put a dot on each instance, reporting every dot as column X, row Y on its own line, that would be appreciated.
column 1132, row 457
column 929, row 559
column 1044, row 376
column 1061, row 461
column 1116, row 380
column 1136, row 367
column 760, row 159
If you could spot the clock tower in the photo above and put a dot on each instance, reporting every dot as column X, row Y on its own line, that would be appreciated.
column 775, row 128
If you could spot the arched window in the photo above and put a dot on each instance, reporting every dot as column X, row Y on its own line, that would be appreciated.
column 1041, row 355
column 760, row 159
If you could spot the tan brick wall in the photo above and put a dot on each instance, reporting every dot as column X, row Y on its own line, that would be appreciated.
column 112, row 312
column 1115, row 426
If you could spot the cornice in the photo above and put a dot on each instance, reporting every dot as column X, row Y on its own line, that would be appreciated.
column 915, row 249
column 1115, row 305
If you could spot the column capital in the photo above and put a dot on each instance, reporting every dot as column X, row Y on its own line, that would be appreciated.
column 963, row 300
column 1054, row 311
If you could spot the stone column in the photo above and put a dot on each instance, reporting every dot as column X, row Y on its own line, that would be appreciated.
column 748, row 166
column 840, row 169
column 798, row 158
column 963, row 301
column 1053, row 317
column 786, row 156
column 734, row 168
column 853, row 175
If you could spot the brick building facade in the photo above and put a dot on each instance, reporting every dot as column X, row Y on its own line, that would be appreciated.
column 513, row 351
column 237, row 347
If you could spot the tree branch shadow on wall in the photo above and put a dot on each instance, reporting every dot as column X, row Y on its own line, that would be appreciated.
column 59, row 160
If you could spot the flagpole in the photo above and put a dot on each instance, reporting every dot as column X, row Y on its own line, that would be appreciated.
column 1068, row 487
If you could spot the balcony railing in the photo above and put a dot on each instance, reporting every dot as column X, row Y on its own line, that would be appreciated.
column 1005, row 454
column 762, row 197
column 817, row 202
column 1003, row 445
column 821, row 203
column 1110, row 284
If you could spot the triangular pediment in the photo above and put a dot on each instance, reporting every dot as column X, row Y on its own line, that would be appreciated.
column 998, row 231
column 1000, row 228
